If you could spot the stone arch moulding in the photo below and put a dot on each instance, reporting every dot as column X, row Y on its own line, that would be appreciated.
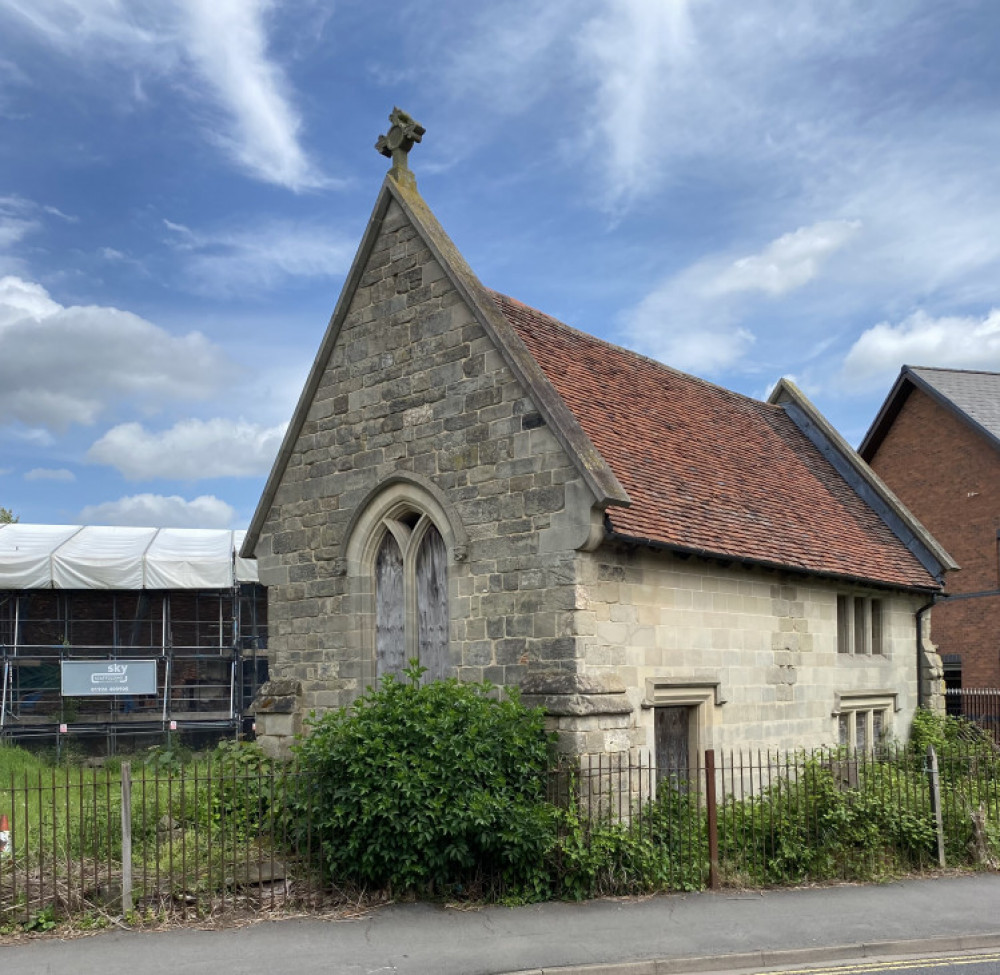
column 404, row 489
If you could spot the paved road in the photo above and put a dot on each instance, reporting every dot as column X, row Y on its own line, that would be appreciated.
column 679, row 933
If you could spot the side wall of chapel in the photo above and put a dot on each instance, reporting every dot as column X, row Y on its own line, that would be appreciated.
column 756, row 650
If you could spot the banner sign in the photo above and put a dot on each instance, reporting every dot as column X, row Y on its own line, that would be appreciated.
column 84, row 678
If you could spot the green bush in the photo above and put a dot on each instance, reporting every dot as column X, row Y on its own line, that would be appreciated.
column 238, row 790
column 664, row 846
column 437, row 786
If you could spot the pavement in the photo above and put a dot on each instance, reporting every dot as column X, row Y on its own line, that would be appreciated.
column 662, row 935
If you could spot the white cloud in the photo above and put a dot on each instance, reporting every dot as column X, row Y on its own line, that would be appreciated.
column 675, row 81
column 35, row 436
column 64, row 365
column 226, row 41
column 258, row 258
column 693, row 319
column 703, row 352
column 50, row 474
column 951, row 342
column 643, row 61
column 497, row 57
column 191, row 450
column 222, row 43
column 161, row 511
column 789, row 262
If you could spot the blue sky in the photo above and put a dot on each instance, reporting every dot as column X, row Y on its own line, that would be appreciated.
column 745, row 191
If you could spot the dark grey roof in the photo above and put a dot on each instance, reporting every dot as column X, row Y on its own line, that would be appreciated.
column 972, row 396
column 977, row 394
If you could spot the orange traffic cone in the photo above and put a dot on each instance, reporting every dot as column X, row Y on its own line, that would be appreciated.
column 4, row 834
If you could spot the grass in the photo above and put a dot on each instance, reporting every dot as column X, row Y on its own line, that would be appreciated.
column 196, row 822
column 19, row 763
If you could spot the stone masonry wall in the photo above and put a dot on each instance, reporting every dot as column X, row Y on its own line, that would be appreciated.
column 950, row 479
column 415, row 384
column 769, row 641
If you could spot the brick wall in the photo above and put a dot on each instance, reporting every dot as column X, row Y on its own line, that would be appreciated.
column 949, row 477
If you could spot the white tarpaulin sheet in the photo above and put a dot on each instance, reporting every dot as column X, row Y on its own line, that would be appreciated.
column 93, row 557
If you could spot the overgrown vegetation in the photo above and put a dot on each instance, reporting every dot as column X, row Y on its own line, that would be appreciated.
column 436, row 787
column 446, row 790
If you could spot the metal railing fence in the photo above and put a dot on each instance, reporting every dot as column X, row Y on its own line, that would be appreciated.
column 161, row 839
column 980, row 705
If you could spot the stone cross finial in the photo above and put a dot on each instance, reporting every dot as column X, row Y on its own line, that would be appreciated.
column 399, row 140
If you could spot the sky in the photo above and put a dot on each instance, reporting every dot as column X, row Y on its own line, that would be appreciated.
column 744, row 191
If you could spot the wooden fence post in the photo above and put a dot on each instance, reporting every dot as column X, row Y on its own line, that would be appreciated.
column 126, row 786
column 713, row 820
column 934, row 779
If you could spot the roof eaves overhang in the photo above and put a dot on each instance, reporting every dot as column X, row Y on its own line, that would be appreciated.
column 764, row 564
column 910, row 377
column 886, row 415
column 863, row 480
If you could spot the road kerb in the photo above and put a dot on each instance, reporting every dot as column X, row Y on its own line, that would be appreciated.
column 776, row 958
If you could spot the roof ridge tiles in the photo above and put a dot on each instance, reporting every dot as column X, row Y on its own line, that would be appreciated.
column 967, row 372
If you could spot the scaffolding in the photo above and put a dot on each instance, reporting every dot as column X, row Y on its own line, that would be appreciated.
column 207, row 632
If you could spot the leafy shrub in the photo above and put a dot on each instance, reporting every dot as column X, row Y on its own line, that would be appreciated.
column 663, row 847
column 951, row 736
column 439, row 786
column 239, row 791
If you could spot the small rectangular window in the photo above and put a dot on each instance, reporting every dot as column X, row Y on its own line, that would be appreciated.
column 843, row 624
column 859, row 625
column 875, row 608
column 863, row 724
column 860, row 628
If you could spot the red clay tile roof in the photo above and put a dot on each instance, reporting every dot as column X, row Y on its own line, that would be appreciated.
column 709, row 470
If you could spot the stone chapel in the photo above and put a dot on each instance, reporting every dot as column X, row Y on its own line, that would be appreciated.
column 661, row 563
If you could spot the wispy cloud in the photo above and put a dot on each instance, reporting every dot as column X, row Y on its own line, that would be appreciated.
column 259, row 258
column 226, row 41
column 215, row 51
column 787, row 263
column 17, row 219
column 67, row 364
column 50, row 474
column 693, row 320
column 161, row 511
column 189, row 451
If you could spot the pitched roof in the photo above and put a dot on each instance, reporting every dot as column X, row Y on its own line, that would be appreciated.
column 711, row 471
column 671, row 459
column 972, row 396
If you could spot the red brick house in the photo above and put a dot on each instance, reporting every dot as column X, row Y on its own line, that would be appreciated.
column 936, row 443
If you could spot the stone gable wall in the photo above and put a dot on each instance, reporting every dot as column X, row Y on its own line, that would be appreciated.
column 949, row 477
column 414, row 384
